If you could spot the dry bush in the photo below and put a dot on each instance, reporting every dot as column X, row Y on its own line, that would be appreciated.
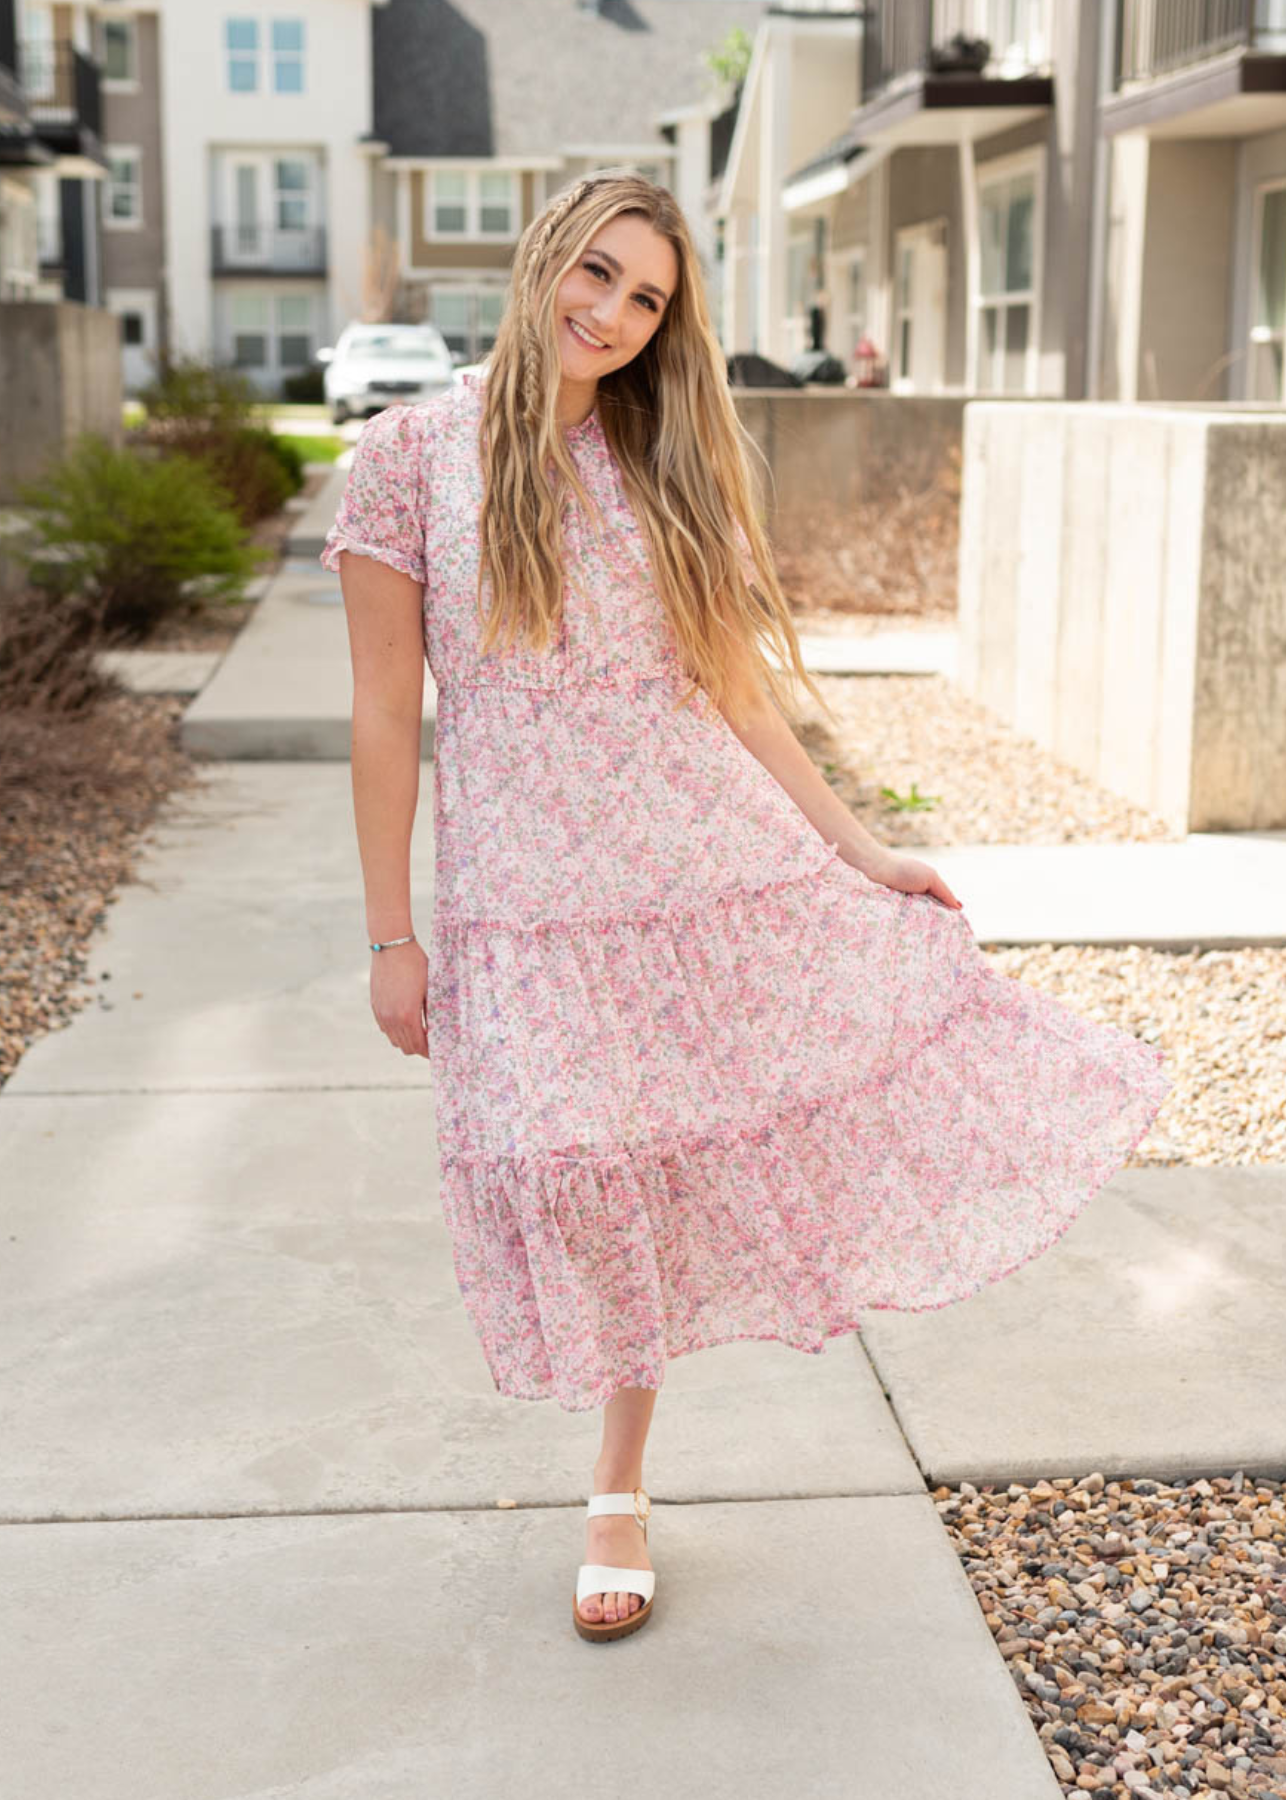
column 894, row 550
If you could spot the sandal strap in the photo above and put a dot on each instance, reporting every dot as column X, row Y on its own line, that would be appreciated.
column 602, row 1578
column 635, row 1501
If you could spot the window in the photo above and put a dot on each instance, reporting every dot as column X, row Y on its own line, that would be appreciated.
column 292, row 177
column 474, row 203
column 495, row 203
column 132, row 328
column 250, row 331
column 450, row 202
column 905, row 263
column 288, row 56
column 294, row 330
column 118, row 50
column 1268, row 319
column 241, row 44
column 124, row 200
column 854, row 292
column 1006, row 290
column 468, row 318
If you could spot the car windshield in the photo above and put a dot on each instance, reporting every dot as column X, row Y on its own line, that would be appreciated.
column 394, row 343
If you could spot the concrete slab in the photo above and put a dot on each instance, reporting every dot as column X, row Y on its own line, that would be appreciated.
column 1211, row 890
column 392, row 1657
column 880, row 653
column 238, row 957
column 243, row 1302
column 308, row 533
column 285, row 688
column 161, row 671
column 1151, row 1340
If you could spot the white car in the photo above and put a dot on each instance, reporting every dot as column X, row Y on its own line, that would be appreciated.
column 374, row 366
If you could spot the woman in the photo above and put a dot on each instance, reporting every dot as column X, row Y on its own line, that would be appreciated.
column 710, row 1062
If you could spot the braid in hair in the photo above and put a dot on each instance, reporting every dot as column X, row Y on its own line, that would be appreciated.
column 533, row 257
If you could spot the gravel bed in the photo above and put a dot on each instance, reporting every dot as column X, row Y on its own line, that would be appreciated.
column 1144, row 1625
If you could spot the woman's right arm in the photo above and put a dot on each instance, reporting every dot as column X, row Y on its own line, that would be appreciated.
column 384, row 609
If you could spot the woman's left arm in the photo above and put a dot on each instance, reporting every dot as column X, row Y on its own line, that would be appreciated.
column 768, row 736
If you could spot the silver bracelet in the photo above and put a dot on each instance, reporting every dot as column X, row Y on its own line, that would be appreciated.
column 390, row 943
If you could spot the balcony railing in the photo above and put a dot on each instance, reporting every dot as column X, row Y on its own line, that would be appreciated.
column 1158, row 36
column 898, row 36
column 62, row 86
column 276, row 249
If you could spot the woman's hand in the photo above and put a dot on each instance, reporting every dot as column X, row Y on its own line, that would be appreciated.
column 905, row 873
column 399, row 980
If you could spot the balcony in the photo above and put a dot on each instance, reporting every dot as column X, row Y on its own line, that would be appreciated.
column 267, row 250
column 64, row 99
column 1199, row 68
column 916, row 89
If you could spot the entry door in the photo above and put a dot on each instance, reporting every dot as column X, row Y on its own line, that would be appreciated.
column 920, row 306
column 245, row 235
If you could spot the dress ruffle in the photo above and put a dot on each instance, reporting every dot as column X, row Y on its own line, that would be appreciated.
column 924, row 1127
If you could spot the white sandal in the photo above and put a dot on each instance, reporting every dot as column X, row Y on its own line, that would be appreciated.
column 602, row 1578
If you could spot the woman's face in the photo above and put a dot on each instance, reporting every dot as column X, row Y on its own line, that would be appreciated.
column 614, row 299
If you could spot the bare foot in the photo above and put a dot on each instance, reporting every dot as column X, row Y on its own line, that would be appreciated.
column 615, row 1538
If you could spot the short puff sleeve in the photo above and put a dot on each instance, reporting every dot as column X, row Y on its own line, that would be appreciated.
column 382, row 513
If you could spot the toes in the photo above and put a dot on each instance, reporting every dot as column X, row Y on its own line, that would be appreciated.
column 591, row 1609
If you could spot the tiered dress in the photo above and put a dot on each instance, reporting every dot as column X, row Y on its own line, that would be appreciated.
column 696, row 1077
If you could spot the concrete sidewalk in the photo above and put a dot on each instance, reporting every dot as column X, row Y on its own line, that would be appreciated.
column 250, row 1453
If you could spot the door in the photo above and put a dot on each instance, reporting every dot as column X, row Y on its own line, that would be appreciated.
column 920, row 309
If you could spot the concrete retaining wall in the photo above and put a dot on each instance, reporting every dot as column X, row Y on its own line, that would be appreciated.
column 1122, row 597
column 60, row 374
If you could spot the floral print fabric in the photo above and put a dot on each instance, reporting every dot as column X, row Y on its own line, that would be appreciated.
column 696, row 1078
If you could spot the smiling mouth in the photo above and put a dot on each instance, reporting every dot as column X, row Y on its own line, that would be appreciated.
column 583, row 337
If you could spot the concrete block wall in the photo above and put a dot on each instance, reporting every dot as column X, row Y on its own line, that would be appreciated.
column 1122, row 599
column 60, row 375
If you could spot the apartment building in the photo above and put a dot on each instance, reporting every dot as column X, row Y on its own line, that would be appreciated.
column 779, row 258
column 267, row 149
column 1193, row 123
column 483, row 111
column 52, row 164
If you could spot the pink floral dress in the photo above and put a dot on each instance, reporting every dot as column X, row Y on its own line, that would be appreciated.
column 696, row 1078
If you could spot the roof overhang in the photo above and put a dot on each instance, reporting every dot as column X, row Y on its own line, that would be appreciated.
column 820, row 186
column 927, row 109
column 1234, row 95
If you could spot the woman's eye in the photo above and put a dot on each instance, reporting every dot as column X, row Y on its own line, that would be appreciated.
column 598, row 269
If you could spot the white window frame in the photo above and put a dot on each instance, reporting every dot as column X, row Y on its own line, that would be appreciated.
column 254, row 56
column 281, row 58
column 473, row 205
column 1261, row 334
column 132, row 221
column 853, row 324
column 473, row 293
column 994, row 174
column 128, row 24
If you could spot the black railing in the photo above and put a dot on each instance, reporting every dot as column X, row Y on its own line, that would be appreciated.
column 902, row 36
column 1157, row 36
column 275, row 248
column 62, row 85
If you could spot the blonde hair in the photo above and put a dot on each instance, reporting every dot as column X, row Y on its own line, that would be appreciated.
column 682, row 451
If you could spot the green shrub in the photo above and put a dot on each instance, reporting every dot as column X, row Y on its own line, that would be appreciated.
column 245, row 463
column 199, row 393
column 137, row 535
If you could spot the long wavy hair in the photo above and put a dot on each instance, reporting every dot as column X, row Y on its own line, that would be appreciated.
column 683, row 454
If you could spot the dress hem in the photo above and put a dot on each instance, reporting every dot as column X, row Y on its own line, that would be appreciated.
column 1110, row 1163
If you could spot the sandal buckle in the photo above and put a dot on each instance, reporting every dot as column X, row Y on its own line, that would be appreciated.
column 645, row 1512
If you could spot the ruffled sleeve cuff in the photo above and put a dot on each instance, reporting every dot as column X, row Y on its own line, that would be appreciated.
column 382, row 512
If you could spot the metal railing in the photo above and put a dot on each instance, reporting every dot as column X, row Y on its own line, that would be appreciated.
column 62, row 85
column 1158, row 36
column 278, row 249
column 899, row 36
